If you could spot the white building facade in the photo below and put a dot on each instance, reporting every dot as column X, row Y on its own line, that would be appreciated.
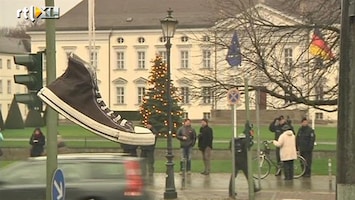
column 124, row 50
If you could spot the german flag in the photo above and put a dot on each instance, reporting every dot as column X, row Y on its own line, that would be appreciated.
column 319, row 47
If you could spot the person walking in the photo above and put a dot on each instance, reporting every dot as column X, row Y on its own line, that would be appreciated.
column 147, row 152
column 288, row 152
column 240, row 161
column 305, row 143
column 205, row 139
column 278, row 126
column 187, row 136
column 37, row 140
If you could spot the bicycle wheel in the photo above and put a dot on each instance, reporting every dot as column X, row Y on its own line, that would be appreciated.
column 263, row 164
column 299, row 167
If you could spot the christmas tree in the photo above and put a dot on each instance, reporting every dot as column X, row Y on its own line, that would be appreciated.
column 155, row 103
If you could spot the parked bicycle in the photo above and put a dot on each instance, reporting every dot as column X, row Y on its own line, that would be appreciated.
column 264, row 163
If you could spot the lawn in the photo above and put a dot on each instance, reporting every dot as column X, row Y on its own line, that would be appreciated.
column 77, row 137
column 320, row 166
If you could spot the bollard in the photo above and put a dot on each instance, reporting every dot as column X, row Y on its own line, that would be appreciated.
column 330, row 173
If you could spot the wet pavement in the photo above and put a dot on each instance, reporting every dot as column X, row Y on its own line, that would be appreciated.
column 215, row 186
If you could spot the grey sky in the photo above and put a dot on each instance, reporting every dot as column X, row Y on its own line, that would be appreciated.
column 9, row 8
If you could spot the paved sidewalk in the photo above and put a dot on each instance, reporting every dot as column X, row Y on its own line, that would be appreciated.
column 215, row 186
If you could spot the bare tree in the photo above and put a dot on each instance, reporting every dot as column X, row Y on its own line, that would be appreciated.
column 275, row 50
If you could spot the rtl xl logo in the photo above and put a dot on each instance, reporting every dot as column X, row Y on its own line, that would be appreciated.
column 33, row 13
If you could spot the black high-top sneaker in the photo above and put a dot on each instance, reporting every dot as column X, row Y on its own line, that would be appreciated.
column 76, row 96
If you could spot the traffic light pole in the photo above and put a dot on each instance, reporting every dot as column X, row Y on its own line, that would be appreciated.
column 249, row 159
column 52, row 116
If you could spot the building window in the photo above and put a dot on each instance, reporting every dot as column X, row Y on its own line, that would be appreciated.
column 206, row 59
column 120, row 95
column 0, row 86
column 184, row 59
column 120, row 40
column 185, row 115
column 141, row 40
column 207, row 115
column 319, row 91
column 185, row 95
column 163, row 56
column 141, row 60
column 8, row 63
column 206, row 95
column 8, row 86
column 93, row 59
column 206, row 38
column 0, row 63
column 288, row 94
column 141, row 93
column 162, row 39
column 184, row 39
column 319, row 116
column 288, row 58
column 120, row 59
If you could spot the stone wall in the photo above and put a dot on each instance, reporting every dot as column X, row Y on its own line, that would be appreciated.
column 266, row 116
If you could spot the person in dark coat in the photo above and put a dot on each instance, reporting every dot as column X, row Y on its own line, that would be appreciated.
column 305, row 143
column 147, row 152
column 240, row 161
column 205, row 139
column 37, row 140
column 187, row 136
column 130, row 150
column 278, row 126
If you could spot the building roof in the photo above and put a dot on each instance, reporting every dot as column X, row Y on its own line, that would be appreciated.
column 143, row 14
column 13, row 45
column 137, row 14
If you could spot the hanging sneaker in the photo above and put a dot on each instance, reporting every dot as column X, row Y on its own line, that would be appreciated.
column 76, row 96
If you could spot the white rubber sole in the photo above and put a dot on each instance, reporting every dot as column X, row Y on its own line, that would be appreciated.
column 142, row 136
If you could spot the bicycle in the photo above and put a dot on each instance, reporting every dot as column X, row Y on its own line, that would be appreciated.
column 264, row 162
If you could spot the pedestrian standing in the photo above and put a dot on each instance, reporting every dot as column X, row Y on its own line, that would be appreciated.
column 205, row 139
column 240, row 161
column 278, row 126
column 37, row 140
column 187, row 136
column 130, row 150
column 1, row 139
column 305, row 143
column 147, row 152
column 288, row 152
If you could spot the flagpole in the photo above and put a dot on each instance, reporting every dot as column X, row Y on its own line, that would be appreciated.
column 234, row 59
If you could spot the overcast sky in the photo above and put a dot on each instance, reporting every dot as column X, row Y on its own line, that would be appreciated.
column 9, row 7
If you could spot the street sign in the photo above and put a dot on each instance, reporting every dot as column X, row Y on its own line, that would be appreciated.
column 58, row 185
column 233, row 96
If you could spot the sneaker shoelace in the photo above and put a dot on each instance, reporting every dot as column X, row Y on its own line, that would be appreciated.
column 115, row 117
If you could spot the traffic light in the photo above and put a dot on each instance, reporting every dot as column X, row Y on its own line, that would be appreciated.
column 249, row 132
column 33, row 79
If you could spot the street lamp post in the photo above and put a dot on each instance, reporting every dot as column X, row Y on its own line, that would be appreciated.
column 168, row 25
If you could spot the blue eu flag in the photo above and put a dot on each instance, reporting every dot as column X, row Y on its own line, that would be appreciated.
column 234, row 57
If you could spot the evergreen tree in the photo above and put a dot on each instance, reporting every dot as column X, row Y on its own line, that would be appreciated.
column 2, row 127
column 14, row 118
column 34, row 119
column 155, row 103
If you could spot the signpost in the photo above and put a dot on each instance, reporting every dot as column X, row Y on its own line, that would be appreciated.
column 58, row 185
column 233, row 97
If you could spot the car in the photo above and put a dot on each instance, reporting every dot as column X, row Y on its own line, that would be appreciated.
column 88, row 176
